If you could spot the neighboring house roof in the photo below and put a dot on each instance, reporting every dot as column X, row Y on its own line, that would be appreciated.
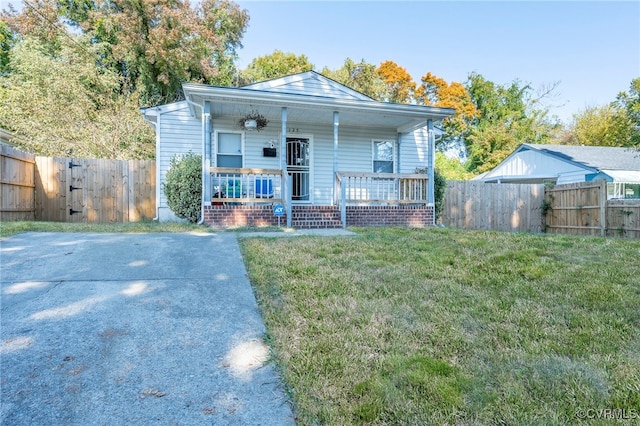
column 594, row 157
column 310, row 98
column 566, row 163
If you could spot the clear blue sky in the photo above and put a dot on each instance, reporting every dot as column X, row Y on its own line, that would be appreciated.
column 592, row 49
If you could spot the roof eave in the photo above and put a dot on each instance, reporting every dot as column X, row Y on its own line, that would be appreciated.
column 229, row 94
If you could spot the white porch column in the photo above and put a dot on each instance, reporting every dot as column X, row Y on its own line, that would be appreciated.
column 206, row 154
column 431, row 156
column 336, row 124
column 283, row 164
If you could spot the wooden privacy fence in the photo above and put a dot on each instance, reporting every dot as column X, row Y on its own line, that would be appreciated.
column 499, row 207
column 75, row 190
column 583, row 209
column 17, row 183
column 90, row 190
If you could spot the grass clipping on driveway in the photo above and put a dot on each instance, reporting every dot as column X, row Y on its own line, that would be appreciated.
column 401, row 326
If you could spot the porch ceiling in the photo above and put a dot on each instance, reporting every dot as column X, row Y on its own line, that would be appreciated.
column 237, row 102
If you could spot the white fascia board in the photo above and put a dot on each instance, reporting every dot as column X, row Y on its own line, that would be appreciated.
column 233, row 95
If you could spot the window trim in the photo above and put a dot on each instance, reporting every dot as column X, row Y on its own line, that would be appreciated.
column 373, row 153
column 216, row 140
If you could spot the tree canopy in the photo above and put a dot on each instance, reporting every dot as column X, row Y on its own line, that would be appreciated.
column 275, row 65
column 64, row 106
column 99, row 60
column 155, row 45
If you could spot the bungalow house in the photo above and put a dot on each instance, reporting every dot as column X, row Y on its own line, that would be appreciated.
column 303, row 149
column 560, row 164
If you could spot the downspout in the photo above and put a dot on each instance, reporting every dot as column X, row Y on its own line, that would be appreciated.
column 399, row 168
column 156, row 125
column 336, row 124
column 206, row 159
column 195, row 105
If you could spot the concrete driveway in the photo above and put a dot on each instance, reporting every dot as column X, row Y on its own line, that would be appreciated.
column 144, row 329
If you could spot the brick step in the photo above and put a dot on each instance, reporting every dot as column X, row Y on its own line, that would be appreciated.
column 314, row 216
column 315, row 213
column 316, row 224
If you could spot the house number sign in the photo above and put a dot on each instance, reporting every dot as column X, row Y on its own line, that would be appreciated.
column 292, row 130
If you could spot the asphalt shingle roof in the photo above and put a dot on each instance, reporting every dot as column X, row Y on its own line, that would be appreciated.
column 597, row 157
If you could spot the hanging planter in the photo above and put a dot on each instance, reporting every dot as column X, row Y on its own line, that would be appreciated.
column 253, row 121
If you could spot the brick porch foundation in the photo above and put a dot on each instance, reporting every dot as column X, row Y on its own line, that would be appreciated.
column 304, row 217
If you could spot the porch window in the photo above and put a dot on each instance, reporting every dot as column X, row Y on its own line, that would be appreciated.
column 229, row 150
column 383, row 156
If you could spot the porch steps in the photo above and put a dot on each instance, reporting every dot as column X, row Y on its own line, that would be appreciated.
column 315, row 217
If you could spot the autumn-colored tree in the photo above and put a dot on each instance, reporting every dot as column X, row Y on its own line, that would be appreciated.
column 275, row 65
column 400, row 84
column 435, row 91
column 361, row 76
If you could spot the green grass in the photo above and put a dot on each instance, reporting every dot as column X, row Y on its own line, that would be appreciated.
column 12, row 228
column 442, row 326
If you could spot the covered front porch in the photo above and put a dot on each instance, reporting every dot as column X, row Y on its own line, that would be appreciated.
column 330, row 156
column 250, row 197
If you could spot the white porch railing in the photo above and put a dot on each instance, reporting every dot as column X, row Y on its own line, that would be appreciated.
column 231, row 185
column 383, row 188
column 380, row 188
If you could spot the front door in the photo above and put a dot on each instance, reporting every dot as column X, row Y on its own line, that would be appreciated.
column 298, row 166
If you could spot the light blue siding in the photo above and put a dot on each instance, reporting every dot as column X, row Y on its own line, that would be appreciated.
column 179, row 134
column 414, row 151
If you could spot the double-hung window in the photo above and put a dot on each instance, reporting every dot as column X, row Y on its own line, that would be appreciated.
column 383, row 156
column 229, row 150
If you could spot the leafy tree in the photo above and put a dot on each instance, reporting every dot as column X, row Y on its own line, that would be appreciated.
column 629, row 102
column 6, row 43
column 62, row 105
column 361, row 76
column 507, row 116
column 183, row 186
column 275, row 65
column 155, row 45
column 451, row 168
column 600, row 126
column 400, row 84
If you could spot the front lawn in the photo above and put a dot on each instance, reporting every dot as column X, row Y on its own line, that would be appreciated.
column 442, row 326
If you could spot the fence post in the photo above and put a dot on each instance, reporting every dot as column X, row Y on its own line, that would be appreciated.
column 603, row 208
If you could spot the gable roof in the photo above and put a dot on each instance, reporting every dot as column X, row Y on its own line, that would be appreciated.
column 592, row 157
column 310, row 98
column 309, row 83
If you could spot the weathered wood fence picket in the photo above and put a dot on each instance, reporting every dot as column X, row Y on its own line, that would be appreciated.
column 583, row 209
column 17, row 184
column 75, row 190
column 499, row 207
column 577, row 209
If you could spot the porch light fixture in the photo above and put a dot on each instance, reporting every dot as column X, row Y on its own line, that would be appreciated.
column 253, row 121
